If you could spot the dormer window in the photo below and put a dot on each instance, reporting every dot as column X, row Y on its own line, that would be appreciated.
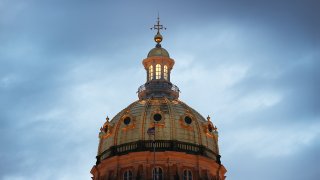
column 165, row 72
column 158, row 71
column 150, row 73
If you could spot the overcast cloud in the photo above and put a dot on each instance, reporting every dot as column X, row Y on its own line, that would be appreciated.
column 253, row 66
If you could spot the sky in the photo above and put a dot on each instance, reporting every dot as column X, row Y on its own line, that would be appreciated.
column 251, row 65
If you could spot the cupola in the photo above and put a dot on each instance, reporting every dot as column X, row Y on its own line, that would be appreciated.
column 158, row 66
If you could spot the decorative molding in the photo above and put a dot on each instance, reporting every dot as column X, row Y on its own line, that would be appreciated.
column 183, row 124
column 106, row 129
column 160, row 123
column 131, row 125
column 206, row 129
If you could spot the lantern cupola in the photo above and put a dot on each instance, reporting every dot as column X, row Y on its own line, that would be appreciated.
column 158, row 66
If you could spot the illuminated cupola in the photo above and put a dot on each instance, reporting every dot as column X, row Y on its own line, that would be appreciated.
column 158, row 65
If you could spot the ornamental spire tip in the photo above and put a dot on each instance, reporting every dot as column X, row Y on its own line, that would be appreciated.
column 158, row 37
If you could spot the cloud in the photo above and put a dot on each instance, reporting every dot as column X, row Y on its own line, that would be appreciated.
column 65, row 66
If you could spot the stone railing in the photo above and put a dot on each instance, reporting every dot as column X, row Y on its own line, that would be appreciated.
column 160, row 145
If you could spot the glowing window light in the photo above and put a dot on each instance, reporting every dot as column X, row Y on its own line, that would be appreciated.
column 165, row 72
column 150, row 72
column 158, row 71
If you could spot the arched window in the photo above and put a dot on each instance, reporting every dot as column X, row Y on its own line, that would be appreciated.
column 150, row 72
column 187, row 175
column 158, row 71
column 165, row 72
column 157, row 173
column 127, row 175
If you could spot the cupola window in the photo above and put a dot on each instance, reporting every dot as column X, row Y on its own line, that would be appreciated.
column 158, row 71
column 157, row 173
column 150, row 72
column 127, row 175
column 187, row 175
column 165, row 72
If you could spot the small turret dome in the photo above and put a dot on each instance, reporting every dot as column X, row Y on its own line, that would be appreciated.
column 158, row 51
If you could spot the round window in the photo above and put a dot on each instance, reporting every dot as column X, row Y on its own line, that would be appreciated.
column 210, row 128
column 127, row 120
column 187, row 120
column 157, row 117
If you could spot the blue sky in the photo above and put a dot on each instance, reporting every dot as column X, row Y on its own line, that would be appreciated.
column 251, row 65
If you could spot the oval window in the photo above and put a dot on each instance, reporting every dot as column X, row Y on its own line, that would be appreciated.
column 127, row 120
column 210, row 128
column 157, row 117
column 187, row 120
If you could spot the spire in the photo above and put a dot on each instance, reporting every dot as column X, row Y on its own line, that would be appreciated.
column 158, row 37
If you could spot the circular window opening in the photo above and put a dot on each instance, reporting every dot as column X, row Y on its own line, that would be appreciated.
column 157, row 117
column 127, row 120
column 188, row 120
column 210, row 128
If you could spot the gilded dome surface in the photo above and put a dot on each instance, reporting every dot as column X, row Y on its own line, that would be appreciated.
column 173, row 121
column 158, row 51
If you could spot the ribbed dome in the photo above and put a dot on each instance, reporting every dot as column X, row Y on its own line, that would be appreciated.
column 158, row 51
column 176, row 122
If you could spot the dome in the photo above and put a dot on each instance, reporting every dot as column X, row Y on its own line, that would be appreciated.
column 158, row 136
column 175, row 123
column 158, row 51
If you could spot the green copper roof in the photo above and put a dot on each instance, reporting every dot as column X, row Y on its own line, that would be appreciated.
column 158, row 51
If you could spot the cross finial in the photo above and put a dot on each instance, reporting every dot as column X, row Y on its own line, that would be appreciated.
column 158, row 37
column 158, row 26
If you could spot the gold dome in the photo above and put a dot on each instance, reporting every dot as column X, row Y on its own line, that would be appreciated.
column 174, row 121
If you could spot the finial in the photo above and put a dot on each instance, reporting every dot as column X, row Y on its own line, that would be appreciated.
column 107, row 119
column 208, row 118
column 158, row 37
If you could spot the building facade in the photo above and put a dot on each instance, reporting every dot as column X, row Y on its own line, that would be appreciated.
column 158, row 136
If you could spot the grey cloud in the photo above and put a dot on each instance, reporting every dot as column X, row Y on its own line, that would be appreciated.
column 63, row 64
